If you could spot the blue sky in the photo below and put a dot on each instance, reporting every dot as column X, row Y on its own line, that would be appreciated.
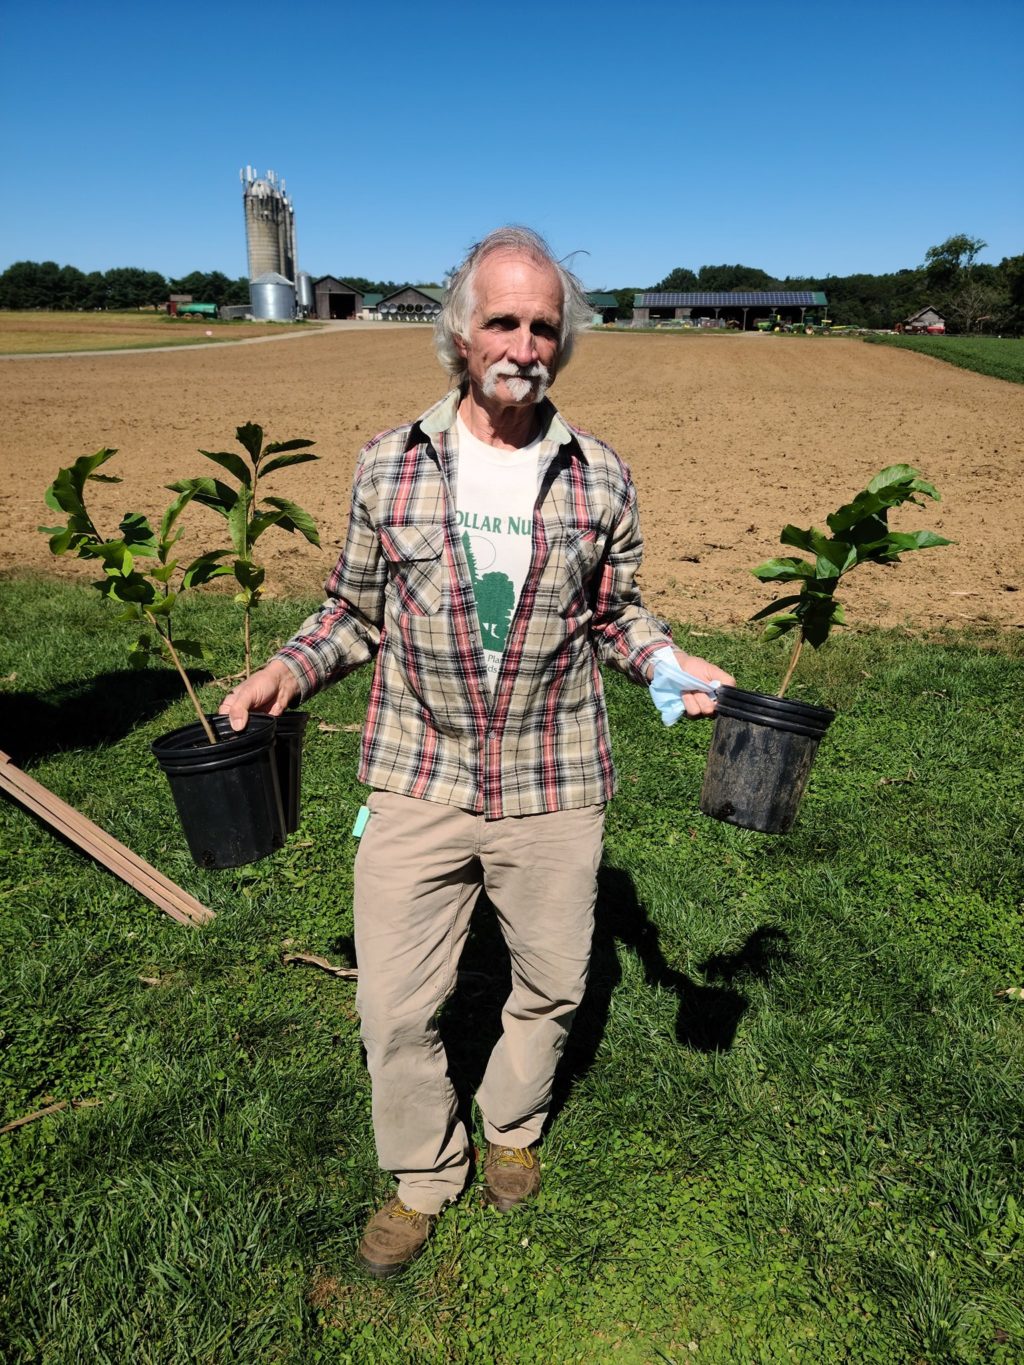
column 800, row 138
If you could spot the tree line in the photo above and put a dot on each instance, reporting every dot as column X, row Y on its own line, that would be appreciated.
column 47, row 285
column 971, row 296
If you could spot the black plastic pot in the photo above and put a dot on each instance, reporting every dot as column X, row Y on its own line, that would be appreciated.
column 291, row 727
column 761, row 754
column 227, row 794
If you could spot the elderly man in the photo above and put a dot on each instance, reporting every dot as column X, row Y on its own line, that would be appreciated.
column 488, row 569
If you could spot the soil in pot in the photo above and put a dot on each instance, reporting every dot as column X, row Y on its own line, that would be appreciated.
column 761, row 754
column 291, row 729
column 227, row 794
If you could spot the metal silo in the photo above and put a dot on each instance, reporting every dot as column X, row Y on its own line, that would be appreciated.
column 272, row 297
column 304, row 292
column 269, row 224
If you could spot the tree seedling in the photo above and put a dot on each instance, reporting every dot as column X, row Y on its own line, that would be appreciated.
column 246, row 519
column 138, row 570
column 860, row 535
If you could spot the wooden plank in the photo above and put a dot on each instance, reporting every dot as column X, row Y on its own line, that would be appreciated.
column 115, row 856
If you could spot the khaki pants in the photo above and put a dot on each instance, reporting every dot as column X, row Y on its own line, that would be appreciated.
column 419, row 870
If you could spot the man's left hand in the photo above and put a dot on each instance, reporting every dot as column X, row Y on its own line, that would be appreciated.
column 697, row 704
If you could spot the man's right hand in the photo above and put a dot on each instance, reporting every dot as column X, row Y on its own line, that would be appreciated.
column 270, row 690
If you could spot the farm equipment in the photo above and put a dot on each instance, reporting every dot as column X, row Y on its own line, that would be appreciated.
column 197, row 310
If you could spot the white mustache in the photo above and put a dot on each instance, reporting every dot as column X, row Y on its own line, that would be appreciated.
column 519, row 379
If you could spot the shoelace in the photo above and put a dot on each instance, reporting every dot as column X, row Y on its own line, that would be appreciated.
column 401, row 1210
column 520, row 1156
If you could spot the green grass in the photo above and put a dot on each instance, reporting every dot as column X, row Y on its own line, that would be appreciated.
column 790, row 1126
column 1000, row 357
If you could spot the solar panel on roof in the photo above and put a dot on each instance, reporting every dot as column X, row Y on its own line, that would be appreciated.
column 767, row 298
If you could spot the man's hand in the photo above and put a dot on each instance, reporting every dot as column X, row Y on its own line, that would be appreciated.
column 697, row 704
column 269, row 691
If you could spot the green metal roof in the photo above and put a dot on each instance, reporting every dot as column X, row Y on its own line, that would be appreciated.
column 602, row 301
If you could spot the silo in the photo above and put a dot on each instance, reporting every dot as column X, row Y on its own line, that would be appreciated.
column 269, row 224
column 272, row 297
column 304, row 292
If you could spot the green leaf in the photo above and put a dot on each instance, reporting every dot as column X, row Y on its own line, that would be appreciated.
column 248, row 574
column 163, row 606
column 234, row 464
column 204, row 568
column 780, row 604
column 780, row 626
column 210, row 492
column 173, row 512
column 898, row 477
column 902, row 541
column 295, row 519
column 260, row 523
column 251, row 437
column 834, row 558
column 783, row 570
column 273, row 447
column 238, row 522
column 811, row 540
column 115, row 555
column 283, row 461
column 138, row 534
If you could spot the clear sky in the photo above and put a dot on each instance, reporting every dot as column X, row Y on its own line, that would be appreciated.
column 799, row 138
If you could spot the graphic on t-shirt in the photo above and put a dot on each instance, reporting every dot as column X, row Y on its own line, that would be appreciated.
column 495, row 600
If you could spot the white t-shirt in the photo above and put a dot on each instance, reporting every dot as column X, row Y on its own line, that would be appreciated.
column 495, row 494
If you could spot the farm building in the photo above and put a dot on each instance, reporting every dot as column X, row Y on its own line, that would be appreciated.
column 924, row 320
column 742, row 308
column 605, row 306
column 335, row 298
column 371, row 307
column 411, row 303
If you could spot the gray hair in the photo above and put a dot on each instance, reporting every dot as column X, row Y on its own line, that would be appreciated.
column 459, row 300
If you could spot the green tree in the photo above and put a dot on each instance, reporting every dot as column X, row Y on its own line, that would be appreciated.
column 727, row 277
column 946, row 265
column 679, row 280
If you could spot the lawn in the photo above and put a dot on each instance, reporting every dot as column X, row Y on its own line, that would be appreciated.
column 42, row 333
column 1001, row 357
column 789, row 1125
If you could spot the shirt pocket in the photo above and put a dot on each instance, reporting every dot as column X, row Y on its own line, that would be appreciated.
column 581, row 552
column 416, row 567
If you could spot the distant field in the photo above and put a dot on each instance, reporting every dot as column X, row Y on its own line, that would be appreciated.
column 41, row 333
column 1000, row 357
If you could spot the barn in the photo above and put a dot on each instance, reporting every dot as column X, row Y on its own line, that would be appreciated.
column 336, row 299
column 738, row 308
column 605, row 306
column 411, row 303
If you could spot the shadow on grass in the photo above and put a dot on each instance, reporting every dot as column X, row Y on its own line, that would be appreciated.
column 706, row 1019
column 89, row 714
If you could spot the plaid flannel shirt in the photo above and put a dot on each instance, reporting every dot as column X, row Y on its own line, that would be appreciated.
column 401, row 593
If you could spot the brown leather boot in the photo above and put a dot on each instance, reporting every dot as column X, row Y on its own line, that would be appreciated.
column 511, row 1175
column 394, row 1236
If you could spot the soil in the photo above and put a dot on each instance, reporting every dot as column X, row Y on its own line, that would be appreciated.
column 728, row 437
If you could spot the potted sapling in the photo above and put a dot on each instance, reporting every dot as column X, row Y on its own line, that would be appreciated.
column 763, row 746
column 225, row 785
column 247, row 519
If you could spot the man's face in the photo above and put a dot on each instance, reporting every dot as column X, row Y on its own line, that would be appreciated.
column 511, row 352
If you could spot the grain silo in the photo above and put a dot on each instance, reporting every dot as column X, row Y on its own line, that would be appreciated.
column 269, row 225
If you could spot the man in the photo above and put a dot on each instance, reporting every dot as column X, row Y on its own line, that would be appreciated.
column 488, row 568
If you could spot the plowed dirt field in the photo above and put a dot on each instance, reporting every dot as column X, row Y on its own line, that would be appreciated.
column 728, row 437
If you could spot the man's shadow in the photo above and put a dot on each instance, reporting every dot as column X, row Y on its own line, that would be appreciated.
column 707, row 1015
column 88, row 714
